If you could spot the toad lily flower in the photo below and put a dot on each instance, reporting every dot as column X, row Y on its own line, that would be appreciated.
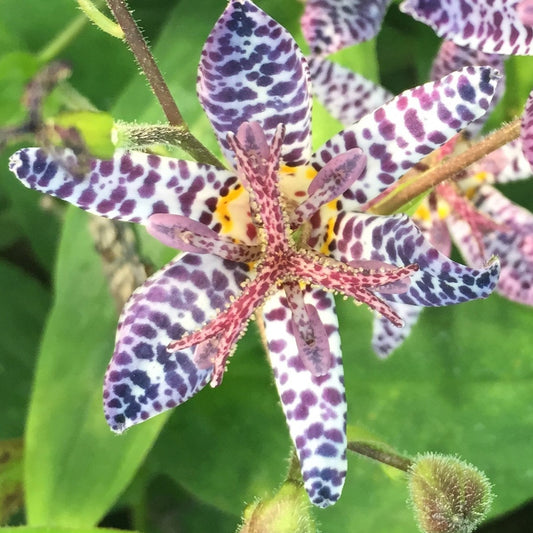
column 482, row 221
column 278, row 230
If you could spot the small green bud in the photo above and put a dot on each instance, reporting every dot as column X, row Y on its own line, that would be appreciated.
column 448, row 495
column 286, row 512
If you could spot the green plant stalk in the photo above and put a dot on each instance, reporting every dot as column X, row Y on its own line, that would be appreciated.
column 145, row 59
column 410, row 186
column 381, row 454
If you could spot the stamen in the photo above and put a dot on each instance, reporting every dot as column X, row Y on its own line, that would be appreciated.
column 188, row 235
column 332, row 180
column 309, row 332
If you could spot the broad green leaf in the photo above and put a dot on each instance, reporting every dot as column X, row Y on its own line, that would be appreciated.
column 31, row 529
column 232, row 436
column 168, row 503
column 11, row 493
column 75, row 467
column 462, row 384
column 25, row 303
column 40, row 226
column 16, row 69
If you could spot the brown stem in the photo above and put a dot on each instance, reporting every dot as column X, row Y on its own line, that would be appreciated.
column 379, row 454
column 410, row 187
column 144, row 57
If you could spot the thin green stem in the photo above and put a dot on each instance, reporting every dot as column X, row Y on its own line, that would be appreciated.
column 295, row 473
column 410, row 186
column 146, row 61
column 99, row 19
column 378, row 453
column 61, row 41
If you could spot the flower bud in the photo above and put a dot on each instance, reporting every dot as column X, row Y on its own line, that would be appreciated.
column 286, row 512
column 448, row 495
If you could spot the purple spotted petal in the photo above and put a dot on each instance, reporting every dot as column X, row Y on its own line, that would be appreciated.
column 332, row 180
column 385, row 337
column 453, row 57
column 526, row 134
column 188, row 235
column 346, row 95
column 252, row 70
column 315, row 406
column 398, row 241
column 409, row 127
column 514, row 247
column 131, row 186
column 143, row 378
column 494, row 27
column 330, row 25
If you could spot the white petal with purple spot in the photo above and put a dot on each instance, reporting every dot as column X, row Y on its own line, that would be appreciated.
column 143, row 378
column 315, row 406
column 131, row 186
column 403, row 131
column 494, row 27
column 346, row 95
column 252, row 70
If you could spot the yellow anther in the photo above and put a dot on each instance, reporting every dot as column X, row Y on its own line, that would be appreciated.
column 443, row 209
column 423, row 212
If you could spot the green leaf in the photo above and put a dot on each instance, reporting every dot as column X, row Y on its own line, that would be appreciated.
column 39, row 226
column 232, row 436
column 461, row 385
column 16, row 69
column 75, row 467
column 11, row 493
column 31, row 529
column 22, row 315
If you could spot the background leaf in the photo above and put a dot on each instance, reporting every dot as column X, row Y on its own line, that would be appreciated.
column 22, row 322
column 75, row 467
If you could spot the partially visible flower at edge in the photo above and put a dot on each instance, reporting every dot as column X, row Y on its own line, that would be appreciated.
column 481, row 220
column 253, row 84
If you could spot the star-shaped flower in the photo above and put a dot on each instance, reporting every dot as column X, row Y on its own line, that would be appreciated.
column 482, row 222
column 248, row 241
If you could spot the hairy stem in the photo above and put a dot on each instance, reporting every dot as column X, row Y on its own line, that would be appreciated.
column 146, row 61
column 412, row 186
column 378, row 453
column 97, row 17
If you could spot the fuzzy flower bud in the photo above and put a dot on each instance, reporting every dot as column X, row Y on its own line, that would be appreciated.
column 286, row 512
column 448, row 495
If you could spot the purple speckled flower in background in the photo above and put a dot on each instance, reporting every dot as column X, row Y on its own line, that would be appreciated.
column 242, row 232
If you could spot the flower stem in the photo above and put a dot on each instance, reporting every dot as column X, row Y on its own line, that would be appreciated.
column 410, row 186
column 146, row 61
column 380, row 454
column 97, row 17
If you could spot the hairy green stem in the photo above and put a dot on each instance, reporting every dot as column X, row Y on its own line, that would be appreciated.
column 97, row 17
column 146, row 61
column 380, row 454
column 410, row 186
